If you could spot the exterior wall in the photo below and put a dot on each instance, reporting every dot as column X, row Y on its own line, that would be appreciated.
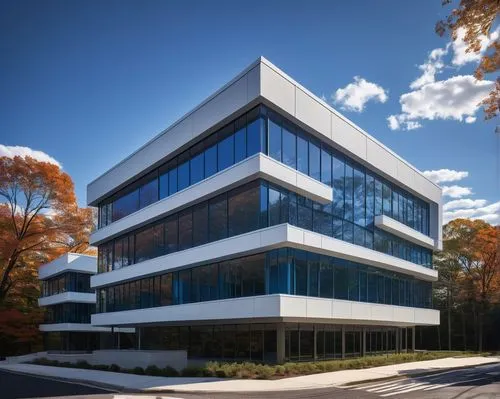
column 283, row 235
column 63, row 327
column 68, row 262
column 257, row 166
column 270, row 308
column 265, row 82
column 81, row 297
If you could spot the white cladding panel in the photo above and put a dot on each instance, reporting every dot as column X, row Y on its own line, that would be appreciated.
column 274, row 307
column 76, row 297
column 68, row 262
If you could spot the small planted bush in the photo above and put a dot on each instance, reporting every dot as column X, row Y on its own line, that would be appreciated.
column 169, row 372
column 115, row 368
column 193, row 372
column 138, row 370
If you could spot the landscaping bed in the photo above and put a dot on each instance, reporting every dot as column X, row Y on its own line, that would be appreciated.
column 264, row 371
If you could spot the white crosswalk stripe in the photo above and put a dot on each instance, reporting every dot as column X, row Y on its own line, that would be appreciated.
column 392, row 388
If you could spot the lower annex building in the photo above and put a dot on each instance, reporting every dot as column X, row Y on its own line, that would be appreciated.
column 264, row 225
column 69, row 301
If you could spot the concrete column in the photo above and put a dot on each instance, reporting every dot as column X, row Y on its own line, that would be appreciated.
column 363, row 343
column 343, row 342
column 315, row 342
column 413, row 329
column 398, row 339
column 139, row 337
column 280, row 343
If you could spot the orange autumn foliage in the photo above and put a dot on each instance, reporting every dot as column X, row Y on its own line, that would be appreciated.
column 39, row 217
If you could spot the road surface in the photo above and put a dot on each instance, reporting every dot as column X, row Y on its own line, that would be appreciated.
column 474, row 382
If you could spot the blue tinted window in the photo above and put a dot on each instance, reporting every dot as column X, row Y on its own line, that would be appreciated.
column 225, row 151
column 200, row 224
column 353, row 276
column 348, row 231
column 197, row 166
column 148, row 193
column 274, row 207
column 126, row 205
column 263, row 205
column 244, row 209
column 240, row 145
column 313, row 282
column 218, row 218
column 302, row 155
column 183, row 176
column 349, row 194
column 274, row 140
column 289, row 149
column 326, row 278
column 326, row 167
column 386, row 198
column 301, row 273
column 378, row 198
column 338, row 172
column 185, row 230
column 164, row 185
column 304, row 213
column 341, row 282
column 210, row 161
column 172, row 181
column 314, row 161
column 359, row 197
column 370, row 200
column 171, row 236
column 253, row 137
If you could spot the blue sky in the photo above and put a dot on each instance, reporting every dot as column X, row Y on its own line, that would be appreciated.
column 89, row 82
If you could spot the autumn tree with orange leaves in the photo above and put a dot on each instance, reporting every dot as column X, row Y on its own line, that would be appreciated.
column 468, row 291
column 39, row 217
column 477, row 17
column 39, row 221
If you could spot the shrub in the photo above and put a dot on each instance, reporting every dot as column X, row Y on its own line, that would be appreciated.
column 138, row 370
column 193, row 372
column 83, row 364
column 101, row 367
column 169, row 372
column 115, row 368
column 153, row 370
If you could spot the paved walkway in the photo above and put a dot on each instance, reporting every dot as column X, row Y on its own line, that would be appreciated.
column 187, row 384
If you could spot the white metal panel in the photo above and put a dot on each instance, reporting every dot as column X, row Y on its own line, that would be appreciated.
column 277, row 89
column 346, row 136
column 76, row 297
column 277, row 306
column 68, row 262
column 79, row 327
column 401, row 230
column 312, row 113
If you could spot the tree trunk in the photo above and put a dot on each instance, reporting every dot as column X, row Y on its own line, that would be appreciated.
column 449, row 318
column 439, row 337
column 464, row 331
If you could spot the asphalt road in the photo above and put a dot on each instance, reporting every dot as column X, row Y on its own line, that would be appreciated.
column 475, row 382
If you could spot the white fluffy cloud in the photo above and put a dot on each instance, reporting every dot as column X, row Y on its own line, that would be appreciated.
column 12, row 151
column 465, row 203
column 473, row 209
column 445, row 175
column 355, row 95
column 430, row 68
column 456, row 191
column 461, row 56
column 455, row 98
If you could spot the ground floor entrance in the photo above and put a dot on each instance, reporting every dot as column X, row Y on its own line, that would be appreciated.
column 277, row 342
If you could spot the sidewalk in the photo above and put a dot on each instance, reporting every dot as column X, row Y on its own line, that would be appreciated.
column 187, row 384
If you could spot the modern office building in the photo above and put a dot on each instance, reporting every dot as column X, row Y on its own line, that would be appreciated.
column 69, row 301
column 265, row 225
